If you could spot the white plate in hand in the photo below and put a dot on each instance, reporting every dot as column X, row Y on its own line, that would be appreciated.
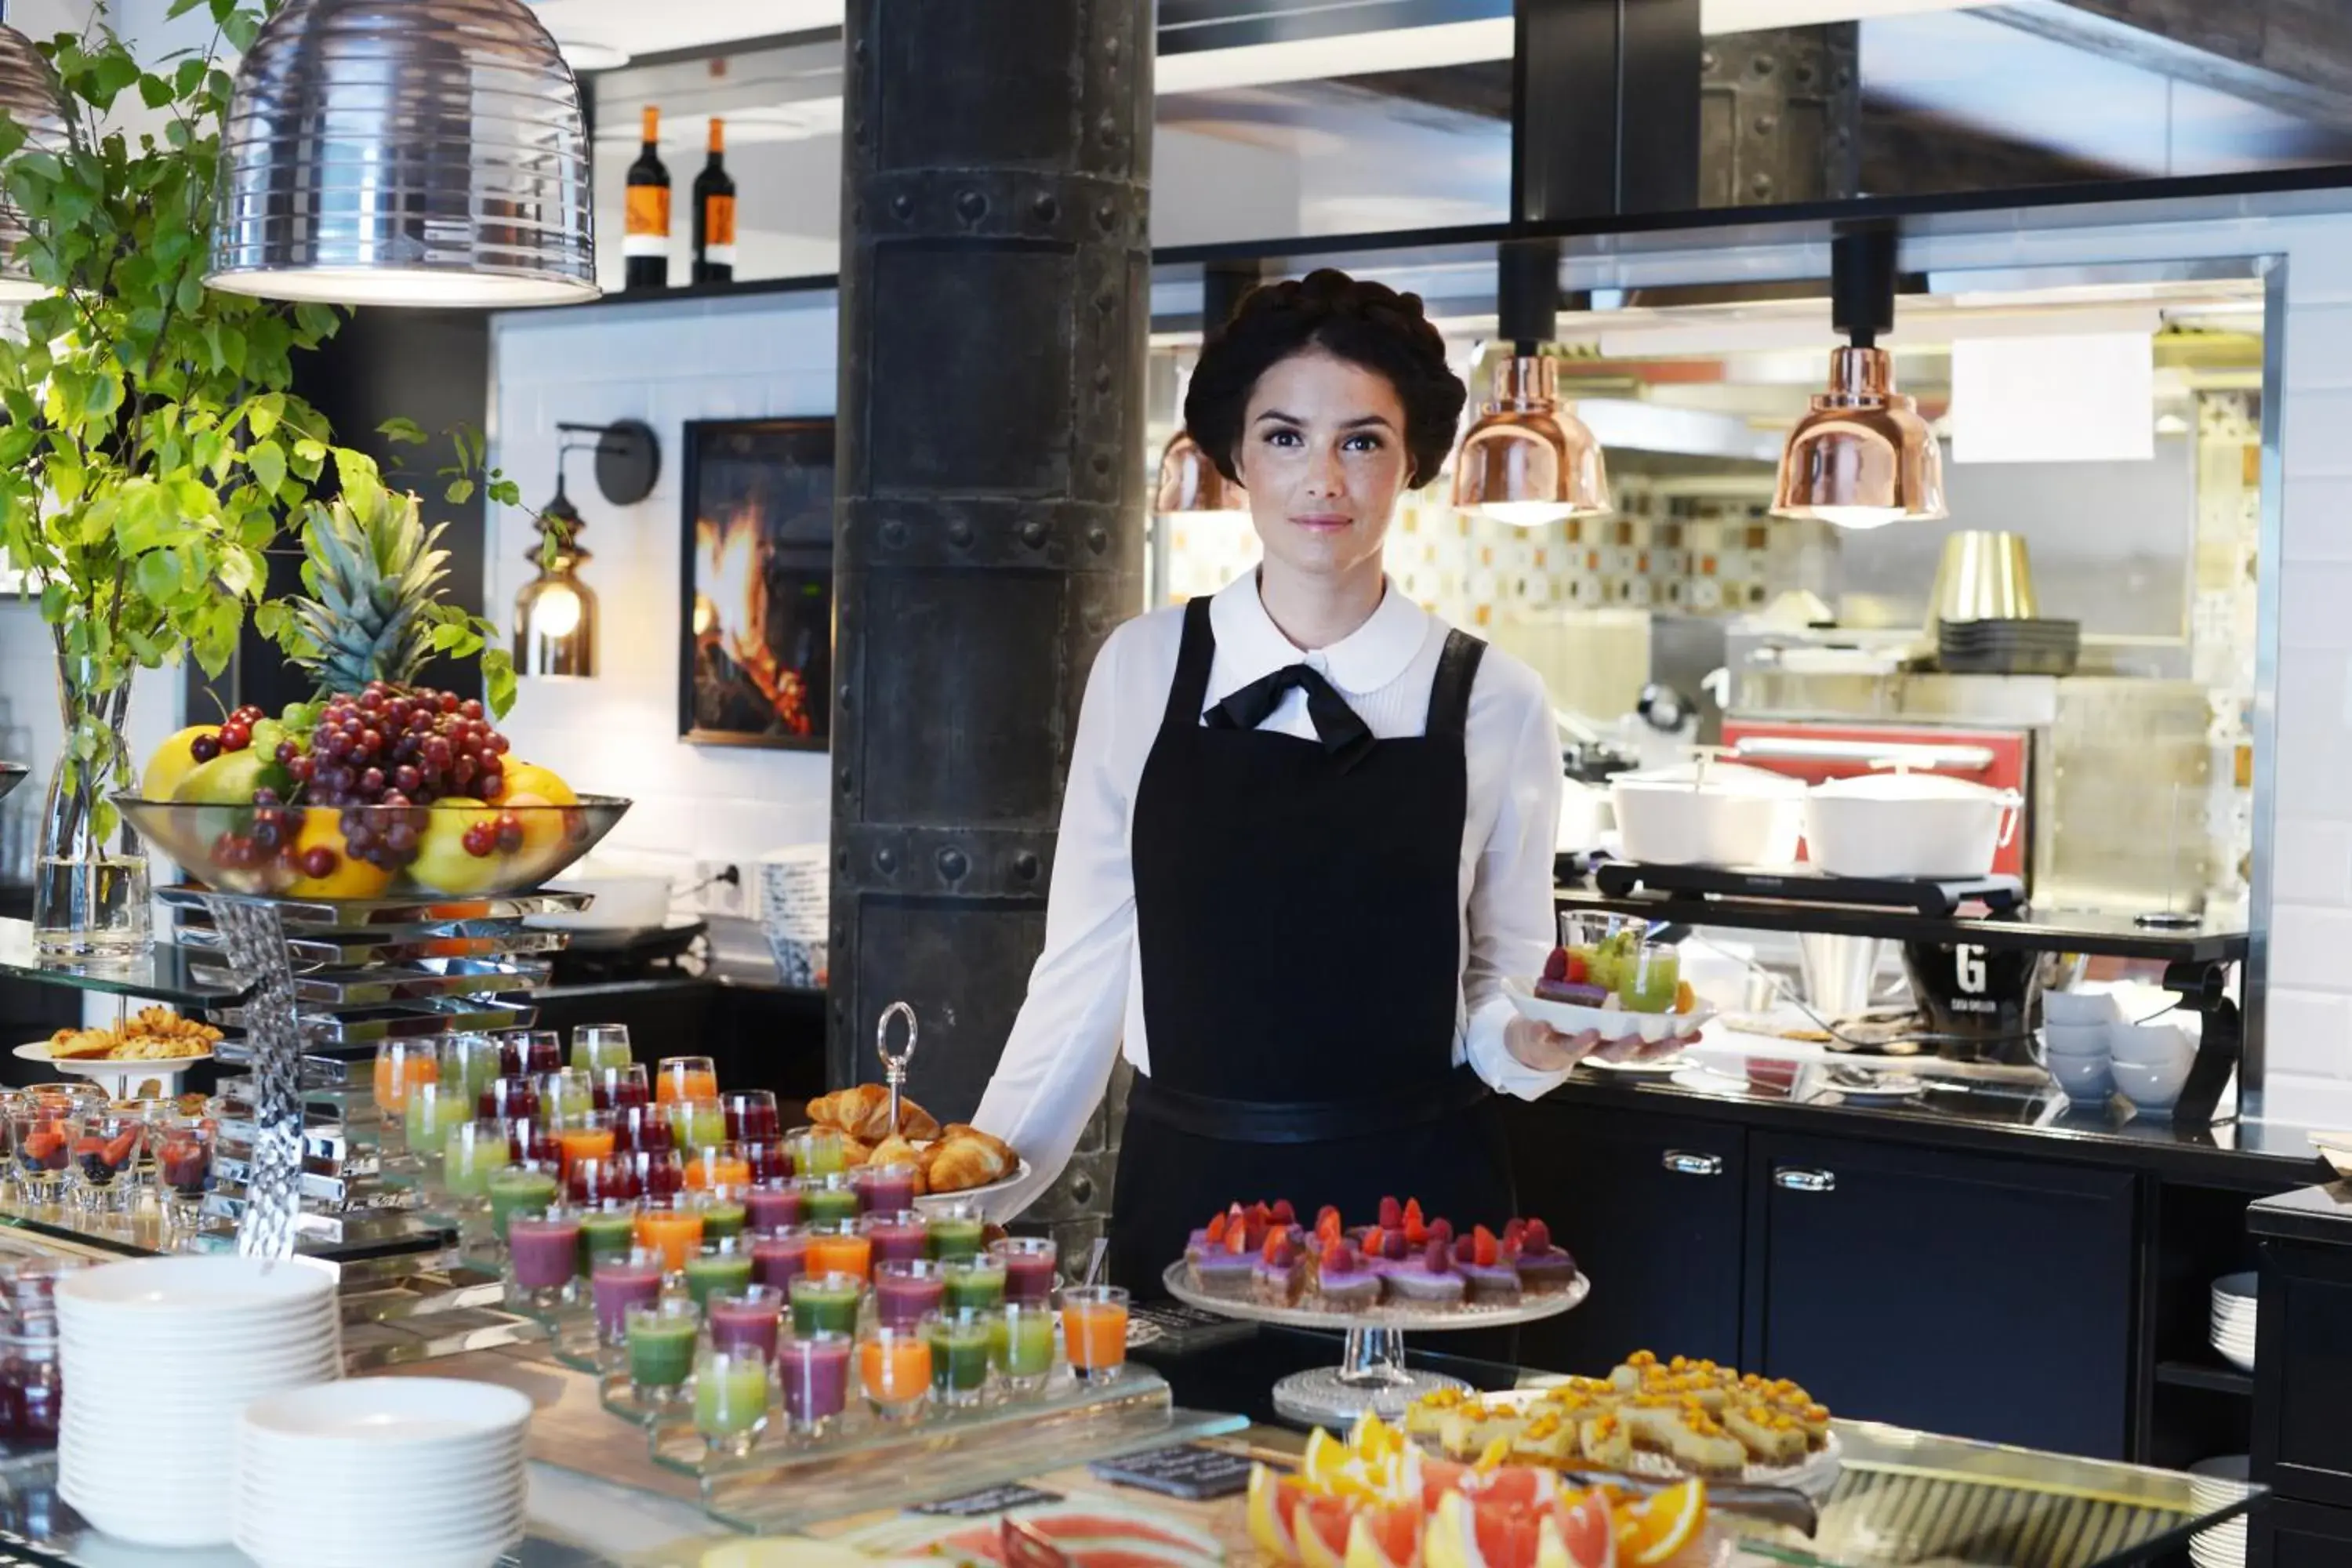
column 1611, row 1023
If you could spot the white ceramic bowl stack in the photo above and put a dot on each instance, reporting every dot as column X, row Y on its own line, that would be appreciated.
column 2214, row 1484
column 382, row 1472
column 2233, row 1320
column 2151, row 1063
column 2077, row 1047
column 158, row 1356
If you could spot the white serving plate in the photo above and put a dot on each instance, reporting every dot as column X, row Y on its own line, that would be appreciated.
column 117, row 1078
column 1529, row 1308
column 930, row 1201
column 1610, row 1023
column 152, row 1292
column 392, row 1412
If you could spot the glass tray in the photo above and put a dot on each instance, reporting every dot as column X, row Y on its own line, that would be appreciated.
column 414, row 1020
column 425, row 979
column 357, row 950
column 402, row 916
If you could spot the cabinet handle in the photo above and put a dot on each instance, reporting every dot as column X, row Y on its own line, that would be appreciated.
column 1798, row 1180
column 1682, row 1163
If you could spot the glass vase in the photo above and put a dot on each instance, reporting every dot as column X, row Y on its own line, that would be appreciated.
column 90, row 886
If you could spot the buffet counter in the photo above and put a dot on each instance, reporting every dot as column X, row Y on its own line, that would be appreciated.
column 1902, row 1497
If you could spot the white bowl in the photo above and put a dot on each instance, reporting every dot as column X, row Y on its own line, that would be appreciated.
column 201, row 1523
column 2071, row 1009
column 183, row 1289
column 380, row 1412
column 2150, row 1045
column 2075, row 1040
column 2244, row 1286
column 2153, row 1089
column 2085, row 1080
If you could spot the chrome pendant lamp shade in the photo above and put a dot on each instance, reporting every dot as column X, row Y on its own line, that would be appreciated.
column 30, row 96
column 1190, row 483
column 406, row 152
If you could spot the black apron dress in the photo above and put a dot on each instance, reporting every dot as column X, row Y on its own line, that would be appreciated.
column 1297, row 912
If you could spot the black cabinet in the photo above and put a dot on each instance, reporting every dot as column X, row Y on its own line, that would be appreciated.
column 1970, row 1294
column 2283, row 1534
column 2302, row 1375
column 1652, row 1207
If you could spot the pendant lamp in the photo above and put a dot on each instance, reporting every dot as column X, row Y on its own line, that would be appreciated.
column 406, row 152
column 30, row 96
column 1862, row 456
column 555, row 613
column 1528, row 460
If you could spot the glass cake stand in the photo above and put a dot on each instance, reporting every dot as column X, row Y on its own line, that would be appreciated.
column 1371, row 1377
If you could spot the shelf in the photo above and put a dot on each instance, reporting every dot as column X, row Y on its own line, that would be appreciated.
column 164, row 973
column 2212, row 1377
column 2069, row 931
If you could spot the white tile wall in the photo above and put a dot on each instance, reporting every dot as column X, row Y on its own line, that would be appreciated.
column 617, row 734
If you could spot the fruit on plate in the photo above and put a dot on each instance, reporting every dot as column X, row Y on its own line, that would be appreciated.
column 1619, row 971
column 457, row 851
column 232, row 778
column 324, row 865
column 532, row 779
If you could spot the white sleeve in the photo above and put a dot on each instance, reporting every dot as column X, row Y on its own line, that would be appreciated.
column 1059, row 1055
column 1512, row 926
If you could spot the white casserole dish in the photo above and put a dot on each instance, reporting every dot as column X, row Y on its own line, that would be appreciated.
column 1907, row 825
column 1713, row 813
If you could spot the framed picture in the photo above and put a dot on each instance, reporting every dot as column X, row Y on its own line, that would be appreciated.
column 756, row 662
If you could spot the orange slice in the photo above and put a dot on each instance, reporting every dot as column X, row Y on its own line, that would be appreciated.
column 1667, row 1523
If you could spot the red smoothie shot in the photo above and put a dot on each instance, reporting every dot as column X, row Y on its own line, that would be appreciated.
column 884, row 1189
column 814, row 1372
column 753, row 1322
column 779, row 1257
column 619, row 1284
column 897, row 1238
column 770, row 1206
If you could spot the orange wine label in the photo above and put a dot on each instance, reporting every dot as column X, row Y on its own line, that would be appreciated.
column 718, row 222
column 648, row 212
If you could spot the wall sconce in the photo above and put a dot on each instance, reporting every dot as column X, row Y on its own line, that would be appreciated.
column 555, row 613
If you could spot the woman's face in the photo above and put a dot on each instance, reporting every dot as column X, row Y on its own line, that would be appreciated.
column 1323, row 457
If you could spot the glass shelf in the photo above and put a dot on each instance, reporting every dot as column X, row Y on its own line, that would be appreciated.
column 164, row 971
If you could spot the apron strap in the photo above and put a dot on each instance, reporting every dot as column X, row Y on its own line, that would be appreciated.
column 1188, row 694
column 1449, row 694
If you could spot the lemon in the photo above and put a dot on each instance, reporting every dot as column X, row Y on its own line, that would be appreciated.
column 171, row 761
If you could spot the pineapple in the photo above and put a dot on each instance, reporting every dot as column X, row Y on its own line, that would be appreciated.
column 371, row 579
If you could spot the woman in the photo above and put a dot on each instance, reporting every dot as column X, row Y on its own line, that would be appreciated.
column 1308, row 834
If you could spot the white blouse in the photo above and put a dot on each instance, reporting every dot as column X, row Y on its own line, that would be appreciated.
column 1085, row 996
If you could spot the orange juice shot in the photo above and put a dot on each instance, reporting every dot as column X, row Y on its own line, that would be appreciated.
column 843, row 1249
column 685, row 1078
column 672, row 1229
column 724, row 1166
column 588, row 1136
column 1094, row 1330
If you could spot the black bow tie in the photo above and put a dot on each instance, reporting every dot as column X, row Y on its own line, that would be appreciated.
column 1344, row 734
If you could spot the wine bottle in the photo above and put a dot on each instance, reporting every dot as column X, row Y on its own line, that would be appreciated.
column 645, row 244
column 714, row 213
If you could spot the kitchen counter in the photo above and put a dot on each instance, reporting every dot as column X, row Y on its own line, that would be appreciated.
column 1986, row 1120
column 2321, row 1214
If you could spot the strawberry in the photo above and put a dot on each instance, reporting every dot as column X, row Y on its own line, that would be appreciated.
column 1374, row 1239
column 1282, row 1213
column 1391, row 1214
column 119, row 1150
column 1537, row 1239
column 1464, row 1251
column 1416, row 1230
column 1441, row 1229
column 1579, row 972
column 1485, row 1249
column 1435, row 1259
column 1328, row 1228
column 1273, row 1241
column 1556, row 967
column 1237, row 1240
column 1512, row 1232
column 1217, row 1231
column 1329, row 1213
column 1397, row 1247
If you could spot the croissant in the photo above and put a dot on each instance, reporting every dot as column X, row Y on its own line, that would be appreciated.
column 897, row 1150
column 965, row 1157
column 863, row 1112
column 854, row 1152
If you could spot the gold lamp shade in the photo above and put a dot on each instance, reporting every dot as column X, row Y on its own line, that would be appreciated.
column 1862, row 456
column 1190, row 482
column 1528, row 461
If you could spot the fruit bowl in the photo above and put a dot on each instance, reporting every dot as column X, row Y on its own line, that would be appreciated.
column 369, row 851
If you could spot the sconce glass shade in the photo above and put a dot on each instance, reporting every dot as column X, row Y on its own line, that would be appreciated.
column 31, row 97
column 1190, row 482
column 1528, row 461
column 406, row 152
column 1862, row 456
column 555, row 613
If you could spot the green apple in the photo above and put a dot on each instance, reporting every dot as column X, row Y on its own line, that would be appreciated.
column 442, row 863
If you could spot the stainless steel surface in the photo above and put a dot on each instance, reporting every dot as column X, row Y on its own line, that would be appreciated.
column 2253, row 1061
column 1982, row 576
column 32, row 99
column 256, row 941
column 1840, row 972
column 1798, row 1180
column 409, row 152
column 1682, row 1163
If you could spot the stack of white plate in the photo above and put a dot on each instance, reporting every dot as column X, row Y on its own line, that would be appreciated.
column 2215, row 1484
column 382, row 1472
column 158, row 1356
column 2233, row 1320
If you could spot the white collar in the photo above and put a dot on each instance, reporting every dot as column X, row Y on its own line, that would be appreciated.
column 1250, row 645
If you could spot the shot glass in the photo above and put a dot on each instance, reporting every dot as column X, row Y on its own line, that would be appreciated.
column 599, row 1046
column 723, row 1212
column 544, row 1256
column 638, row 1128
column 660, row 1343
column 898, row 1237
column 769, row 1159
column 509, row 1097
column 608, row 1228
column 828, row 1200
column 581, row 1135
column 183, row 1168
column 603, row 1177
column 565, row 1093
column 41, row 1138
column 812, row 1372
column 907, row 1291
column 618, row 1283
column 956, row 1230
column 731, row 1399
column 1029, row 1262
column 750, row 1319
column 697, row 1123
column 471, row 1152
column 1021, row 1346
column 894, row 1367
column 685, row 1078
column 716, row 1165
column 718, row 1268
column 1094, row 1330
column 771, row 1203
column 884, row 1189
column 672, row 1228
column 973, row 1284
column 524, row 1186
column 826, row 1303
column 843, row 1249
column 471, row 1060
column 752, row 1115
column 432, row 1110
column 779, row 1255
column 531, row 1050
column 400, row 1067
column 816, row 1152
column 960, row 1342
column 616, row 1087
column 105, row 1160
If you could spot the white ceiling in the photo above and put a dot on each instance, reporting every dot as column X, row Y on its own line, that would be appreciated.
column 639, row 28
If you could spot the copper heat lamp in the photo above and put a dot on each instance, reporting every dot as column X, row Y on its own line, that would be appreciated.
column 1862, row 456
column 1529, row 460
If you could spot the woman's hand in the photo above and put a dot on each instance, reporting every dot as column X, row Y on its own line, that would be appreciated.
column 1546, row 1049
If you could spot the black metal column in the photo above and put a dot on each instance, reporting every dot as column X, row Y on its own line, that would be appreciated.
column 1604, row 108
column 994, row 306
